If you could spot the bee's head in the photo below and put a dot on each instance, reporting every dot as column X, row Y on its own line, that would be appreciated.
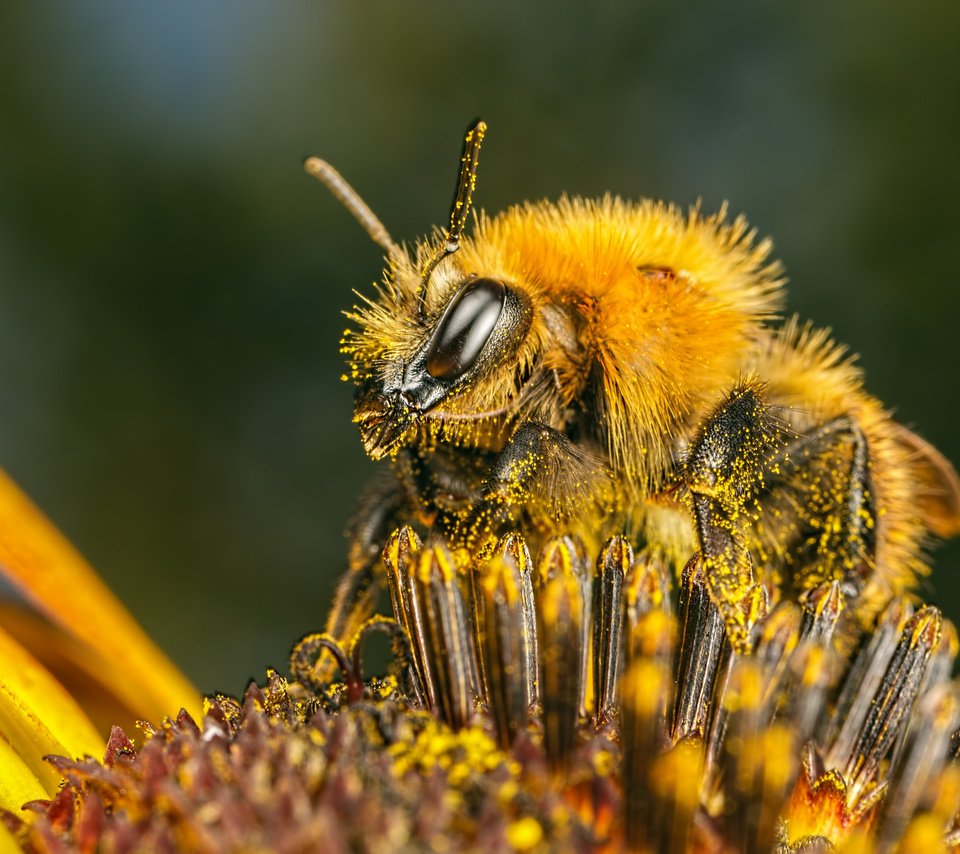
column 435, row 331
column 476, row 332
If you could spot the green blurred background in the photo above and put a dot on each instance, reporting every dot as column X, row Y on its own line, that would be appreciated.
column 171, row 281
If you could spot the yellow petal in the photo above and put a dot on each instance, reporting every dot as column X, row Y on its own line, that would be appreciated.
column 30, row 738
column 8, row 845
column 18, row 784
column 24, row 678
column 82, row 671
column 52, row 574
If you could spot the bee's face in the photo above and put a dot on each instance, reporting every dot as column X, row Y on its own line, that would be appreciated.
column 415, row 356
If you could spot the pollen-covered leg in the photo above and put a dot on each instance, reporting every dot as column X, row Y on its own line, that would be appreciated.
column 356, row 593
column 724, row 472
column 819, row 514
column 539, row 469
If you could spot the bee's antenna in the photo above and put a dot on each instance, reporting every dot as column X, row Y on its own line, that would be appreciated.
column 460, row 209
column 350, row 199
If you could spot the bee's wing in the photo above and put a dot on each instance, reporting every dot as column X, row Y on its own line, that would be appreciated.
column 939, row 495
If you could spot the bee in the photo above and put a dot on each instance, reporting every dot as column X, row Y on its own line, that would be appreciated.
column 601, row 366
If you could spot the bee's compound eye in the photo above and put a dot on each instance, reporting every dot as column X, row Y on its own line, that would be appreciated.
column 464, row 328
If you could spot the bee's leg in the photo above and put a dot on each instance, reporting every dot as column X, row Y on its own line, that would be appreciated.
column 823, row 506
column 378, row 514
column 539, row 465
column 724, row 472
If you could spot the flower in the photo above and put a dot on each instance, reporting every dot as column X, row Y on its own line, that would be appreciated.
column 547, row 705
column 72, row 667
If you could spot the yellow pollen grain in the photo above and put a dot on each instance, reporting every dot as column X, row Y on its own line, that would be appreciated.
column 524, row 834
column 603, row 763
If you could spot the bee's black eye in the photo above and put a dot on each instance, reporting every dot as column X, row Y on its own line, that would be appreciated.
column 464, row 329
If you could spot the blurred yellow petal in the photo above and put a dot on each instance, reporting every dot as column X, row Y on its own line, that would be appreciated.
column 36, row 557
column 22, row 677
column 18, row 784
column 30, row 737
column 8, row 845
column 82, row 671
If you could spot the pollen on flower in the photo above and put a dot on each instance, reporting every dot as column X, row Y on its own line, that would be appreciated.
column 458, row 754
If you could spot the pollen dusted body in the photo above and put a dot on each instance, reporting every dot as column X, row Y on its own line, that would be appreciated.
column 594, row 367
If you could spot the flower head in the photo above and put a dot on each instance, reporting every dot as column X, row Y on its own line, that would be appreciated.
column 563, row 703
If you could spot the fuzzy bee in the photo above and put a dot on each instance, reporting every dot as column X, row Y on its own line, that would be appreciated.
column 600, row 366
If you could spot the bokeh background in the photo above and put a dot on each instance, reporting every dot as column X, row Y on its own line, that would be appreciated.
column 171, row 281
